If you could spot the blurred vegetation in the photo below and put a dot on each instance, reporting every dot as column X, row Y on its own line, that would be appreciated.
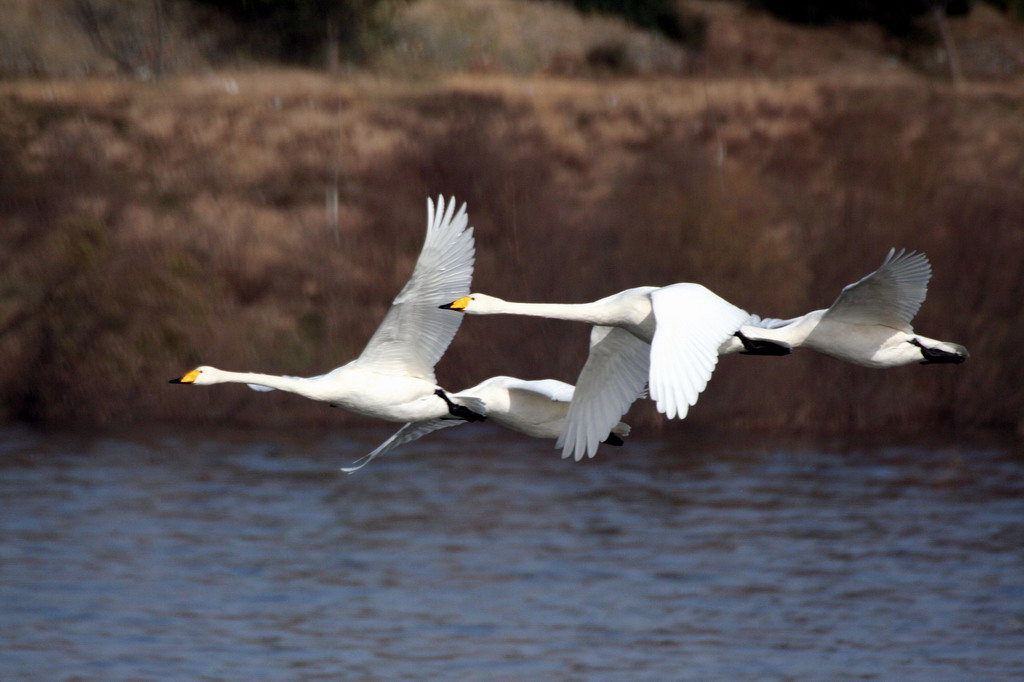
column 151, row 230
column 899, row 17
column 308, row 31
column 1012, row 7
column 152, row 39
column 667, row 17
column 263, row 220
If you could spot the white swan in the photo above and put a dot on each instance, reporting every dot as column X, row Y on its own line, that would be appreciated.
column 666, row 337
column 393, row 378
column 869, row 324
column 536, row 408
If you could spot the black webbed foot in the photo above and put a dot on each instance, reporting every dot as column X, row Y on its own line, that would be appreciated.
column 460, row 411
column 759, row 347
column 937, row 356
column 612, row 439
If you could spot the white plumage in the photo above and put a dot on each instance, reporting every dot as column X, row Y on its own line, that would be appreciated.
column 869, row 324
column 667, row 337
column 537, row 408
column 393, row 378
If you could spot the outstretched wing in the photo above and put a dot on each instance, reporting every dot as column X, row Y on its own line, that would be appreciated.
column 611, row 380
column 692, row 323
column 889, row 296
column 415, row 333
column 408, row 433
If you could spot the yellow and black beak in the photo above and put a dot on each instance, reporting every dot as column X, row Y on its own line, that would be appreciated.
column 187, row 379
column 459, row 304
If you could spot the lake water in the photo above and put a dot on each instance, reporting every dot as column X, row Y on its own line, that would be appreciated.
column 479, row 555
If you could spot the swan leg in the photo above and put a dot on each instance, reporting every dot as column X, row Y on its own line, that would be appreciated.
column 937, row 356
column 612, row 439
column 762, row 347
column 460, row 411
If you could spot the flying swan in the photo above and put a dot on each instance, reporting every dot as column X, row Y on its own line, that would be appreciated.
column 537, row 408
column 393, row 378
column 869, row 324
column 668, row 338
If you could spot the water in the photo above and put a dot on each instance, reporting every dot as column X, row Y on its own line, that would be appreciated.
column 475, row 555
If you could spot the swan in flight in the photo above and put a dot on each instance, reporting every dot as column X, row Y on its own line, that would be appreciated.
column 869, row 324
column 536, row 408
column 671, row 337
column 393, row 378
column 668, row 338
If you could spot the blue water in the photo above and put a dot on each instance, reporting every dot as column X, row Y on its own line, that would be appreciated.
column 476, row 555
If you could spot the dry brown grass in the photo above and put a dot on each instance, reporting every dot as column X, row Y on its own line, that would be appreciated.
column 135, row 38
column 522, row 37
column 151, row 228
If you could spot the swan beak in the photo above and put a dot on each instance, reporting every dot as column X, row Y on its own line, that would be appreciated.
column 187, row 379
column 459, row 304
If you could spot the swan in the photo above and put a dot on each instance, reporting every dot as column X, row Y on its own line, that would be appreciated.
column 537, row 408
column 668, row 338
column 393, row 378
column 869, row 323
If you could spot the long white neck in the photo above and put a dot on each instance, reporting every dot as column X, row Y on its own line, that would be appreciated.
column 298, row 385
column 591, row 313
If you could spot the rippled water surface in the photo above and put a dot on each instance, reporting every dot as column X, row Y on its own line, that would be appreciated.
column 475, row 555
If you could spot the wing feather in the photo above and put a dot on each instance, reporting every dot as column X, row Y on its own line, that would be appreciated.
column 692, row 322
column 611, row 380
column 415, row 334
column 889, row 296
column 408, row 433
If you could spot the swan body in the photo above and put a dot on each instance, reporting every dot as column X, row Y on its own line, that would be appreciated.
column 537, row 408
column 393, row 378
column 667, row 338
column 869, row 323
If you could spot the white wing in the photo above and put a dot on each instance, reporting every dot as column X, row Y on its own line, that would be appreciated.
column 611, row 380
column 415, row 333
column 692, row 322
column 409, row 432
column 889, row 296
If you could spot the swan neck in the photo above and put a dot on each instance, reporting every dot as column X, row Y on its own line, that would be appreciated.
column 573, row 312
column 291, row 384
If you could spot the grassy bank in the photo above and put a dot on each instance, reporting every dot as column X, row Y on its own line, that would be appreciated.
column 150, row 228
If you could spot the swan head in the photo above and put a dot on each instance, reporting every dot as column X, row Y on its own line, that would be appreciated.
column 474, row 303
column 200, row 376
